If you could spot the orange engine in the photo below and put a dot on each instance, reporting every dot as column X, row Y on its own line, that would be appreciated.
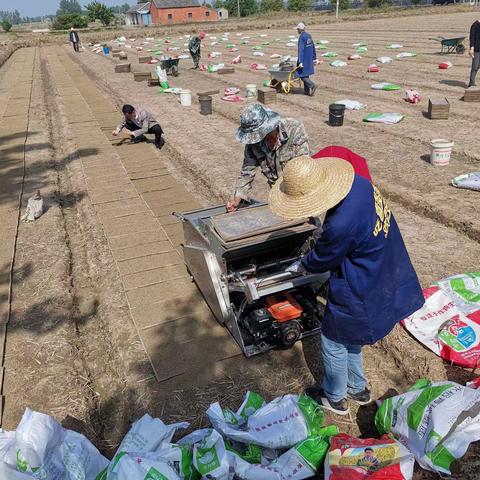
column 283, row 307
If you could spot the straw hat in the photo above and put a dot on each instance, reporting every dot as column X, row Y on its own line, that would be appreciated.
column 310, row 187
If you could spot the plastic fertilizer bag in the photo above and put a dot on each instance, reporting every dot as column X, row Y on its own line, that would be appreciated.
column 210, row 458
column 42, row 449
column 356, row 459
column 388, row 87
column 406, row 55
column 437, row 421
column 301, row 461
column 386, row 118
column 338, row 63
column 393, row 46
column 351, row 104
column 384, row 60
column 449, row 322
column 282, row 423
column 330, row 54
column 470, row 181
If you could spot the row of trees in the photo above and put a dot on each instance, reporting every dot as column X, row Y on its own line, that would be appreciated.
column 251, row 7
column 73, row 6
column 70, row 14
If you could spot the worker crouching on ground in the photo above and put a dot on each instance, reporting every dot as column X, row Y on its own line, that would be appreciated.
column 270, row 142
column 307, row 56
column 373, row 285
column 137, row 124
column 194, row 48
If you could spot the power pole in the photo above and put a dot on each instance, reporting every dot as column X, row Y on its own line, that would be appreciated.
column 238, row 8
column 337, row 8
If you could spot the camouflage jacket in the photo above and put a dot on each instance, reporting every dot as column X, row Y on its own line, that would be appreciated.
column 293, row 142
column 194, row 44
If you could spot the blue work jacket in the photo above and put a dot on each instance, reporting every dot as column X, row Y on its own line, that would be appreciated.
column 373, row 284
column 306, row 55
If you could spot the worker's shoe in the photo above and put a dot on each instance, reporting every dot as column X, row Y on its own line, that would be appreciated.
column 340, row 408
column 311, row 91
column 362, row 398
column 160, row 144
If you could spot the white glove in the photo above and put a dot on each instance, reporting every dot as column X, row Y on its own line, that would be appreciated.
column 296, row 267
column 300, row 65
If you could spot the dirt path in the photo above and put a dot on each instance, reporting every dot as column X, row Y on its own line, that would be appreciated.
column 83, row 280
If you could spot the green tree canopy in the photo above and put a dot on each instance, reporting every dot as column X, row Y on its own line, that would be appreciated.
column 69, row 6
column 121, row 8
column 247, row 7
column 6, row 25
column 13, row 17
column 69, row 20
column 99, row 11
column 299, row 5
column 271, row 5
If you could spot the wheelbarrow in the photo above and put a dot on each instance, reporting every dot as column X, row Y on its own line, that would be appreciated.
column 451, row 45
column 284, row 78
column 170, row 65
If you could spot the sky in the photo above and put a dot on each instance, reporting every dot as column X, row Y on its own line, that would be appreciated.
column 34, row 8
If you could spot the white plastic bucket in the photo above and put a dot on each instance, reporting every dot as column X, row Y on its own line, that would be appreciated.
column 251, row 90
column 441, row 151
column 186, row 98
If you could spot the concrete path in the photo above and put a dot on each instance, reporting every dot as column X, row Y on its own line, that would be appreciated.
column 134, row 196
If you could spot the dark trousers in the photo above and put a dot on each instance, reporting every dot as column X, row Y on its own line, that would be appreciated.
column 155, row 130
column 195, row 58
column 307, row 85
column 475, row 68
column 76, row 46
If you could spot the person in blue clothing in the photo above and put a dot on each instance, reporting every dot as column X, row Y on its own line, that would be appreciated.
column 307, row 56
column 373, row 284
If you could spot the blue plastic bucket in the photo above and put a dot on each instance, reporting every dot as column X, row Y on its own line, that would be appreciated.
column 106, row 50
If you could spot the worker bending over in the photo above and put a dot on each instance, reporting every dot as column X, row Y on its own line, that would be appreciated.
column 270, row 142
column 136, row 124
column 194, row 48
column 372, row 286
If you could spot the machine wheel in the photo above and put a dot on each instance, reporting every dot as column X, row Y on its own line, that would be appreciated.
column 175, row 71
column 460, row 49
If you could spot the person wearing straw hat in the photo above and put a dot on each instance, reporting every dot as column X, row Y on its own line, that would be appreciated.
column 307, row 56
column 270, row 142
column 372, row 285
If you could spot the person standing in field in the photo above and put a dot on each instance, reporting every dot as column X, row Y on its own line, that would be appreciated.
column 307, row 55
column 474, row 51
column 75, row 39
column 194, row 48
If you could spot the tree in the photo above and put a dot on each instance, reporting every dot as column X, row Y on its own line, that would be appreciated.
column 271, row 5
column 69, row 6
column 69, row 20
column 6, row 25
column 218, row 4
column 378, row 3
column 299, row 5
column 99, row 11
column 247, row 7
column 121, row 8
column 13, row 17
column 343, row 4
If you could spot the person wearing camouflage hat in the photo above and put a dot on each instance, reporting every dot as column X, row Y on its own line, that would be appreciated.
column 270, row 142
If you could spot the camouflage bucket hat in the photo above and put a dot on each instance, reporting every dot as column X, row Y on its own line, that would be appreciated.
column 256, row 122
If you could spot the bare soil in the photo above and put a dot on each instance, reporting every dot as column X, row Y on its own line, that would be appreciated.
column 72, row 350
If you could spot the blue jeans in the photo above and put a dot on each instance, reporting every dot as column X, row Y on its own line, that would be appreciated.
column 342, row 369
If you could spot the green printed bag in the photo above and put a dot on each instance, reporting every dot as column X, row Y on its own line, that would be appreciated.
column 282, row 423
column 437, row 421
